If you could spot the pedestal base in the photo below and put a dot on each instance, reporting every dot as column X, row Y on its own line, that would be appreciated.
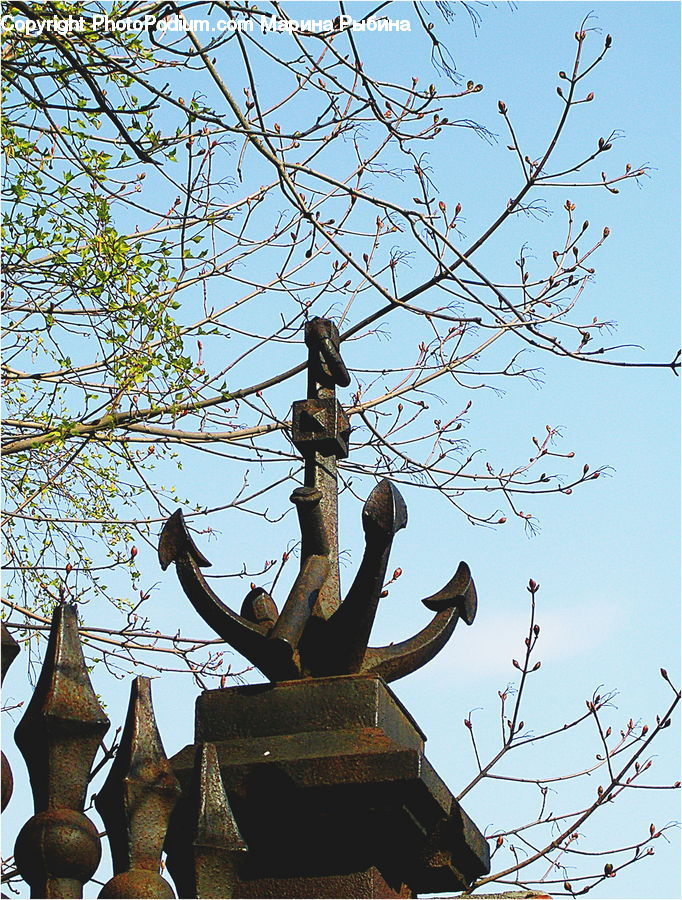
column 332, row 792
column 369, row 883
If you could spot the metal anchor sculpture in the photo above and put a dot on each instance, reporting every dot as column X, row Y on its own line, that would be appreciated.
column 316, row 634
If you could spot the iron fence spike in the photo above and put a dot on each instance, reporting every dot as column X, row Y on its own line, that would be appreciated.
column 136, row 802
column 58, row 849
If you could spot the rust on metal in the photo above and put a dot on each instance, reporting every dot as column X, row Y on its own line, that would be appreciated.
column 332, row 791
column 205, row 846
column 136, row 802
column 383, row 516
column 457, row 599
column 58, row 849
column 316, row 633
column 10, row 649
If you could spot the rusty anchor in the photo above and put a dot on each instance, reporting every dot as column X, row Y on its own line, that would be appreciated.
column 316, row 634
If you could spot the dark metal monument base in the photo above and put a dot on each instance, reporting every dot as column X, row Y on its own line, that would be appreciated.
column 332, row 792
column 369, row 883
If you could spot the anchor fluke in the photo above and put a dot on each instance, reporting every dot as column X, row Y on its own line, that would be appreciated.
column 175, row 540
column 384, row 510
column 246, row 636
column 460, row 591
column 456, row 600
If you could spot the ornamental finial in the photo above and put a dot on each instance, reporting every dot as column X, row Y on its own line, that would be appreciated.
column 318, row 634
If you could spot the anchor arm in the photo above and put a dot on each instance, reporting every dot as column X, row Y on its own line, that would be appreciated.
column 176, row 545
column 315, row 568
column 383, row 515
column 295, row 615
column 456, row 600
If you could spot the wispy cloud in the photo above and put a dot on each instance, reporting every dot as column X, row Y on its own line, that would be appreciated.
column 567, row 633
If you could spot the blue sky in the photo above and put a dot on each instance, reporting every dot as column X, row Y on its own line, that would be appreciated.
column 607, row 558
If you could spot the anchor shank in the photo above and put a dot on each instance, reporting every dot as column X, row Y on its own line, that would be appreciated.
column 320, row 432
column 321, row 473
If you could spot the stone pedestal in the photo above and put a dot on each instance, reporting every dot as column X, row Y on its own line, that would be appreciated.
column 332, row 792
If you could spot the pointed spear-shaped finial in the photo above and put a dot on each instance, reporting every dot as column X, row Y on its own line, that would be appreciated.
column 206, row 846
column 218, row 845
column 10, row 649
column 58, row 849
column 136, row 802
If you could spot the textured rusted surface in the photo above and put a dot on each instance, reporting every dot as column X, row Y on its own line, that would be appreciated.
column 457, row 599
column 316, row 634
column 136, row 802
column 324, row 769
column 365, row 883
column 348, row 630
column 58, row 849
column 205, row 847
column 10, row 649
column 329, row 783
column 7, row 781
